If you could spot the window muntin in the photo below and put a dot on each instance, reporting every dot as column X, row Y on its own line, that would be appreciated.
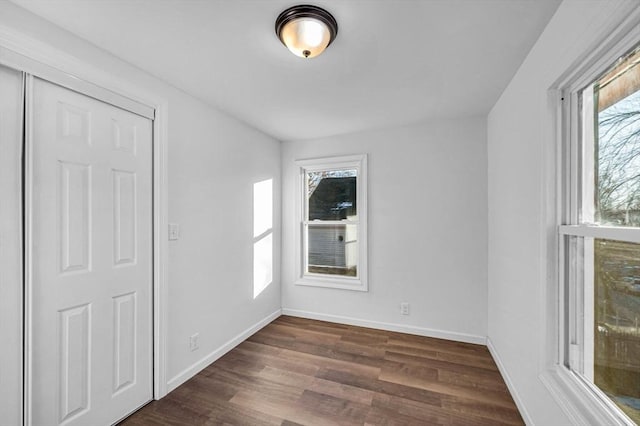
column 602, row 254
column 333, row 222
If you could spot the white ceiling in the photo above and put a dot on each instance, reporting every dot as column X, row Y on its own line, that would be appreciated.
column 394, row 62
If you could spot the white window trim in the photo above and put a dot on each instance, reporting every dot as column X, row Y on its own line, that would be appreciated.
column 358, row 162
column 581, row 401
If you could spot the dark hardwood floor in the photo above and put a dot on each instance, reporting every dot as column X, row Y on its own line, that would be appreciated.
column 299, row 371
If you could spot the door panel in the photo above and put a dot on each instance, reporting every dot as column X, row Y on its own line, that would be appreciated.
column 73, row 386
column 91, row 261
column 74, row 213
column 11, row 125
column 124, row 342
column 124, row 217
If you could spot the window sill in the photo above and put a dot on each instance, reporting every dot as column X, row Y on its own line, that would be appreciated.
column 354, row 284
column 578, row 401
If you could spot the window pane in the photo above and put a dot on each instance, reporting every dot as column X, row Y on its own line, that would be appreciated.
column 332, row 194
column 617, row 316
column 333, row 249
column 617, row 146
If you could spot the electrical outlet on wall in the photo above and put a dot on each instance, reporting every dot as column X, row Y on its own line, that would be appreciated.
column 193, row 342
column 404, row 308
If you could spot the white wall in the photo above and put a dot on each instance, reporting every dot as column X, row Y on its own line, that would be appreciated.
column 521, row 137
column 213, row 163
column 427, row 230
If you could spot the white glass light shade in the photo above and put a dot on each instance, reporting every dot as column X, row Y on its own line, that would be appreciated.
column 306, row 37
column 306, row 30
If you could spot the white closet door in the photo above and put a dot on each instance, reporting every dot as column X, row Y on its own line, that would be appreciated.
column 91, row 259
column 11, row 125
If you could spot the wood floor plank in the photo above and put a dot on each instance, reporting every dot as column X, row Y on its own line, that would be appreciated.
column 381, row 386
column 379, row 416
column 327, row 406
column 495, row 413
column 302, row 335
column 256, row 383
column 297, row 371
column 476, row 381
column 473, row 360
column 490, row 397
column 450, row 372
column 459, row 349
column 282, row 360
column 426, row 413
column 169, row 412
column 286, row 378
column 331, row 327
column 277, row 407
column 322, row 359
column 323, row 350
column 339, row 390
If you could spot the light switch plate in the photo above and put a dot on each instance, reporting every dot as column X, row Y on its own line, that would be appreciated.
column 174, row 231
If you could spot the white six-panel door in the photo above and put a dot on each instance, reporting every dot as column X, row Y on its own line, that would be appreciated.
column 90, row 259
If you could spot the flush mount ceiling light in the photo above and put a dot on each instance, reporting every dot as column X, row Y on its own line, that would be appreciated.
column 306, row 30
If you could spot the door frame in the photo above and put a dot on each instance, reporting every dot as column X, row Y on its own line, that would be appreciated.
column 41, row 60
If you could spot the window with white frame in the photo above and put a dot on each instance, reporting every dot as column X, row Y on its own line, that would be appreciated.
column 332, row 218
column 600, row 237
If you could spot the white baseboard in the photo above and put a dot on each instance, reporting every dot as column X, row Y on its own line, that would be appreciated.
column 194, row 369
column 400, row 328
column 512, row 388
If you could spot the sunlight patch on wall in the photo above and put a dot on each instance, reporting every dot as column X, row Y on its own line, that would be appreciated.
column 262, row 264
column 262, row 207
column 262, row 236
